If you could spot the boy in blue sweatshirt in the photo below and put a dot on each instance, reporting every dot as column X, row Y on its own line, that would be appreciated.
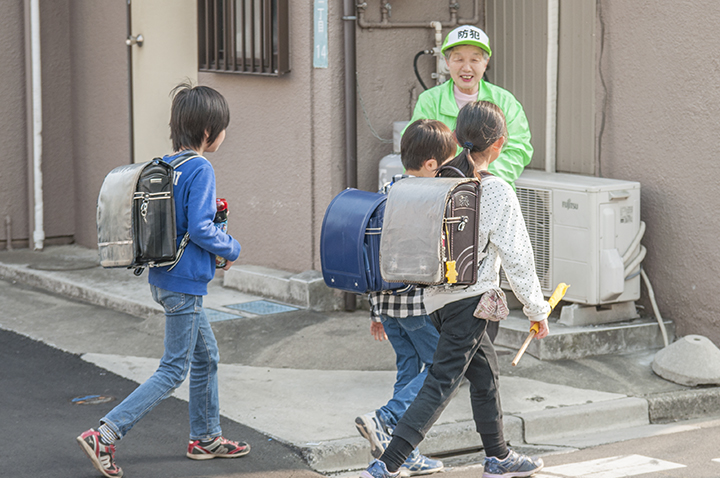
column 199, row 117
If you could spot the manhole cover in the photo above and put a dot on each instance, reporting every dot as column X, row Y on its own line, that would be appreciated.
column 92, row 399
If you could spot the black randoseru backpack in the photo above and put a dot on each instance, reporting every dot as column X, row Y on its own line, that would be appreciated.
column 136, row 216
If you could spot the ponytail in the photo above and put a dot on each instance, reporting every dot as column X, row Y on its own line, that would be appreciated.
column 461, row 166
column 479, row 126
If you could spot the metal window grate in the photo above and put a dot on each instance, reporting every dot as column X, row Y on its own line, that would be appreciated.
column 535, row 205
column 243, row 36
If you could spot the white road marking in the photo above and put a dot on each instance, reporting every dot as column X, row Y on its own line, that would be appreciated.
column 613, row 467
column 716, row 460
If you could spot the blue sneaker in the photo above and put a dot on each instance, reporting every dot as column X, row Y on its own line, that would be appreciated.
column 418, row 464
column 377, row 469
column 374, row 430
column 513, row 465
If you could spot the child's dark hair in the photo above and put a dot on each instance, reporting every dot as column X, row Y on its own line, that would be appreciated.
column 425, row 139
column 196, row 111
column 479, row 126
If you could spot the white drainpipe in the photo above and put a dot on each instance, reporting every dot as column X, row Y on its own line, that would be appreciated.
column 552, row 84
column 38, row 227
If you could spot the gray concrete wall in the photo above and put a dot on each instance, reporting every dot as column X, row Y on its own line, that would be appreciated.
column 662, row 72
column 99, row 93
column 283, row 157
column 13, row 174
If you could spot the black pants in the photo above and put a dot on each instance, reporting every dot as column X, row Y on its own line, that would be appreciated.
column 464, row 349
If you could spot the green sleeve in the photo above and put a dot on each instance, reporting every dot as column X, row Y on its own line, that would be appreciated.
column 424, row 108
column 518, row 151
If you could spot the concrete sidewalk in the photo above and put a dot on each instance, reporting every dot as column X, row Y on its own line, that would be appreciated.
column 302, row 376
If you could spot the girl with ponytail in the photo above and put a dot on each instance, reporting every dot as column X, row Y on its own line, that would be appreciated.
column 481, row 132
column 463, row 315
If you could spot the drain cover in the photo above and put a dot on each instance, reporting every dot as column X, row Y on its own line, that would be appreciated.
column 92, row 399
column 262, row 307
column 218, row 316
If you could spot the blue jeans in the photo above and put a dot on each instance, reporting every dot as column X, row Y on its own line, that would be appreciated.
column 414, row 340
column 190, row 347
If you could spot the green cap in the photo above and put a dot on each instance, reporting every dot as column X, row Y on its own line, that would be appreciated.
column 467, row 35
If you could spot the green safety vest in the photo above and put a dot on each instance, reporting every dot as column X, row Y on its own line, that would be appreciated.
column 439, row 103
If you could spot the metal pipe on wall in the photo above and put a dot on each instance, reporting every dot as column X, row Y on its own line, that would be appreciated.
column 34, row 124
column 385, row 23
column 8, row 232
column 553, row 25
column 349, row 20
column 350, row 93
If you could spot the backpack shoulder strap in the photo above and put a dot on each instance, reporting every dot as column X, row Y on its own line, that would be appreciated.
column 183, row 158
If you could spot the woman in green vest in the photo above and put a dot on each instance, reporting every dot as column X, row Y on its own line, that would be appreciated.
column 467, row 51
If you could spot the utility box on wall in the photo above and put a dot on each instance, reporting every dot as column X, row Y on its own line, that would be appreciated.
column 580, row 228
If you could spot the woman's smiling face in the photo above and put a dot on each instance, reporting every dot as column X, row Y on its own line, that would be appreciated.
column 467, row 65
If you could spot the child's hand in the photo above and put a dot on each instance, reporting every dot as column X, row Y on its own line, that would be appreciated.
column 228, row 265
column 378, row 331
column 543, row 329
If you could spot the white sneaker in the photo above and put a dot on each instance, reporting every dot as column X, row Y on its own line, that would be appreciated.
column 374, row 430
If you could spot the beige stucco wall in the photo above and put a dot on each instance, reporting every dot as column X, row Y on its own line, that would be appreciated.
column 283, row 157
column 57, row 157
column 283, row 160
column 13, row 174
column 99, row 92
column 662, row 72
column 57, row 132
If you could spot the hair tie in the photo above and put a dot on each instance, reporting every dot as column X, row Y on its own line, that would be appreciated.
column 468, row 145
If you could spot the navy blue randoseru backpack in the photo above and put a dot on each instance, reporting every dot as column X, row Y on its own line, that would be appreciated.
column 350, row 242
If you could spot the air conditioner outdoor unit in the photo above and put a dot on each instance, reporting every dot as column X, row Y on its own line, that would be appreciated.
column 580, row 228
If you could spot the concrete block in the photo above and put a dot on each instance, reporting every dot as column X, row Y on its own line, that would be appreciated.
column 306, row 289
column 693, row 360
column 337, row 455
column 684, row 405
column 544, row 426
column 577, row 342
column 579, row 315
column 354, row 453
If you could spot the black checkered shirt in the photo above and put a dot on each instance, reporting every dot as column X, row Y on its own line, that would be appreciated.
column 399, row 306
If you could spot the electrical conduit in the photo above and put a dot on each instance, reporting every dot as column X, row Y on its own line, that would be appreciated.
column 632, row 259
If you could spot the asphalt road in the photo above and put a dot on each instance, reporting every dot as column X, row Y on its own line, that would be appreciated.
column 694, row 453
column 39, row 423
column 39, row 420
column 690, row 454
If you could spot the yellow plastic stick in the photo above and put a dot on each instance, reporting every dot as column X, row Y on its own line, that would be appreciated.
column 556, row 296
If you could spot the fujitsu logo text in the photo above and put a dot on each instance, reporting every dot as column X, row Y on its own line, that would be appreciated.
column 569, row 204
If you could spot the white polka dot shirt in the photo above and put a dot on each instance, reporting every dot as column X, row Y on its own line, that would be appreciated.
column 502, row 225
